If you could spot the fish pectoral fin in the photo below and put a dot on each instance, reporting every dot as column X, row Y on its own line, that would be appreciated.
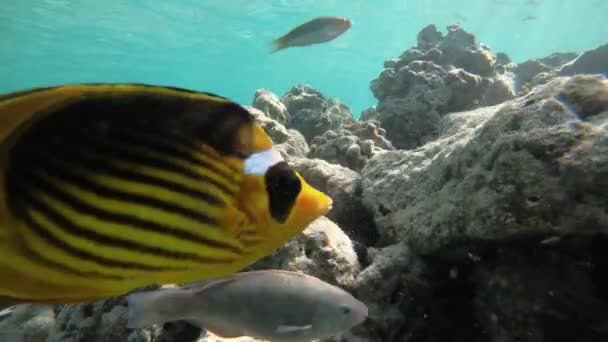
column 233, row 220
column 290, row 329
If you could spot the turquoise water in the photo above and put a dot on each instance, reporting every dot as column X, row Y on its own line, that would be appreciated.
column 221, row 46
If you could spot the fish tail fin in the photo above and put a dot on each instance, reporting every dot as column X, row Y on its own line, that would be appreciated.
column 277, row 44
column 156, row 307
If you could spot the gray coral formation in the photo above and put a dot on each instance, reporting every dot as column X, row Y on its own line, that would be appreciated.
column 344, row 187
column 322, row 250
column 520, row 295
column 103, row 321
column 462, row 212
column 442, row 74
column 312, row 114
column 497, row 200
column 287, row 141
column 518, row 170
column 269, row 103
column 591, row 62
column 534, row 72
column 326, row 124
column 351, row 145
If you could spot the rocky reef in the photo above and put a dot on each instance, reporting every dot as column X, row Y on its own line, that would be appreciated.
column 506, row 170
column 351, row 145
column 471, row 204
column 591, row 62
column 442, row 74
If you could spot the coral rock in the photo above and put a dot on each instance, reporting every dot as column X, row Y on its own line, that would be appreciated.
column 269, row 103
column 350, row 146
column 429, row 37
column 312, row 114
column 343, row 186
column 440, row 76
column 322, row 250
column 521, row 162
column 590, row 62
column 287, row 141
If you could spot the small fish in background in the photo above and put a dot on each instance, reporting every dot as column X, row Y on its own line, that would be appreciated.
column 315, row 31
column 105, row 188
column 271, row 305
column 528, row 18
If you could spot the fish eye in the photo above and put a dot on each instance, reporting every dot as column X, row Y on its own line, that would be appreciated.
column 345, row 309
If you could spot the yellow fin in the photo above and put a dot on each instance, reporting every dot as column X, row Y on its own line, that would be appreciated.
column 232, row 220
column 23, row 286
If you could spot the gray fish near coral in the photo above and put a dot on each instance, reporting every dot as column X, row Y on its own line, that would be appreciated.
column 315, row 31
column 270, row 304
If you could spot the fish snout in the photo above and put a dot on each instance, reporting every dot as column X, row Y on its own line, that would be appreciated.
column 313, row 203
column 360, row 313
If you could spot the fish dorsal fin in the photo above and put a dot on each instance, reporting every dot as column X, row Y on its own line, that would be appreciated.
column 211, row 119
column 203, row 285
column 21, row 107
column 280, row 272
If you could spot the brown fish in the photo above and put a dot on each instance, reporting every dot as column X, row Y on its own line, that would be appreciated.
column 275, row 305
column 315, row 31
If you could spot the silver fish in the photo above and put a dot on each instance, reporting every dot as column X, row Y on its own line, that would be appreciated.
column 315, row 31
column 272, row 305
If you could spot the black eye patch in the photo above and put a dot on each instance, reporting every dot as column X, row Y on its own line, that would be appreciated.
column 283, row 187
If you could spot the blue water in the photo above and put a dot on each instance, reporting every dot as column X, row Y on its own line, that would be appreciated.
column 221, row 46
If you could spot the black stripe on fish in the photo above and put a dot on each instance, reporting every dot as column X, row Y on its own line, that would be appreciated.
column 101, row 167
column 118, row 218
column 53, row 240
column 179, row 142
column 283, row 187
column 194, row 118
column 169, row 146
column 107, row 150
column 54, row 169
column 38, row 258
column 224, row 129
column 68, row 226
column 197, row 116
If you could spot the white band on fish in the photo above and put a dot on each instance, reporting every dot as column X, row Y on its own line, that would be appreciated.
column 258, row 163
